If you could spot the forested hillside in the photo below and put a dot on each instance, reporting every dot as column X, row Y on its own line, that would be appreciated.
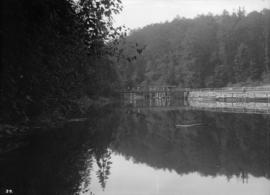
column 207, row 51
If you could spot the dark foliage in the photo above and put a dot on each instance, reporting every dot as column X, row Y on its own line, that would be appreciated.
column 53, row 53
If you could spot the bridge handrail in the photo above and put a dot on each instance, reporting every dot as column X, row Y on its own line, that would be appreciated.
column 174, row 88
column 232, row 89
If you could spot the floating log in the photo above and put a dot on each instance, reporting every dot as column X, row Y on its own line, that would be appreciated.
column 189, row 125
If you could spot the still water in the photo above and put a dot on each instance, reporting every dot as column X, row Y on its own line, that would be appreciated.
column 141, row 179
column 129, row 151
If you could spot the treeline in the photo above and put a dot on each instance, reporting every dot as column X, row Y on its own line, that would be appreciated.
column 207, row 51
column 55, row 55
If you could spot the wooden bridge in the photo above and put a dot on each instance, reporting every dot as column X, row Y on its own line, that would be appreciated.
column 150, row 88
column 155, row 92
column 210, row 106
column 244, row 94
column 236, row 99
column 222, row 94
column 231, row 107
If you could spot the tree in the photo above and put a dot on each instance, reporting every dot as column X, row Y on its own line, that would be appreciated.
column 96, row 17
column 220, row 76
column 51, row 55
column 241, row 63
column 104, row 165
column 266, row 18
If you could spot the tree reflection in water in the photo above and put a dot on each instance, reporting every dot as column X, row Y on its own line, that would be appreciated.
column 104, row 165
column 60, row 161
column 225, row 144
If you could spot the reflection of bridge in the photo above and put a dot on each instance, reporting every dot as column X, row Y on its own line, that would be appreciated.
column 210, row 109
column 232, row 107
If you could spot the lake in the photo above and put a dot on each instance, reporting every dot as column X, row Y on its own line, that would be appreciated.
column 143, row 148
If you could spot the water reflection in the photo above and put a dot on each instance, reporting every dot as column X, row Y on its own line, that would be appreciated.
column 225, row 144
column 135, row 178
column 59, row 161
column 146, row 151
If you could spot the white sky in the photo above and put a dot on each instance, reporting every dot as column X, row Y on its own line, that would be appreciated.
column 138, row 13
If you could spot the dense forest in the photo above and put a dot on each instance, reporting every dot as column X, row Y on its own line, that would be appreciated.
column 207, row 51
column 55, row 57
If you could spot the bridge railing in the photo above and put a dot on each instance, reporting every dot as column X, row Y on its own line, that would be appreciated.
column 263, row 88
column 174, row 88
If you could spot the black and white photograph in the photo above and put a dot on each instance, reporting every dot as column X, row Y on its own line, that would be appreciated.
column 135, row 97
